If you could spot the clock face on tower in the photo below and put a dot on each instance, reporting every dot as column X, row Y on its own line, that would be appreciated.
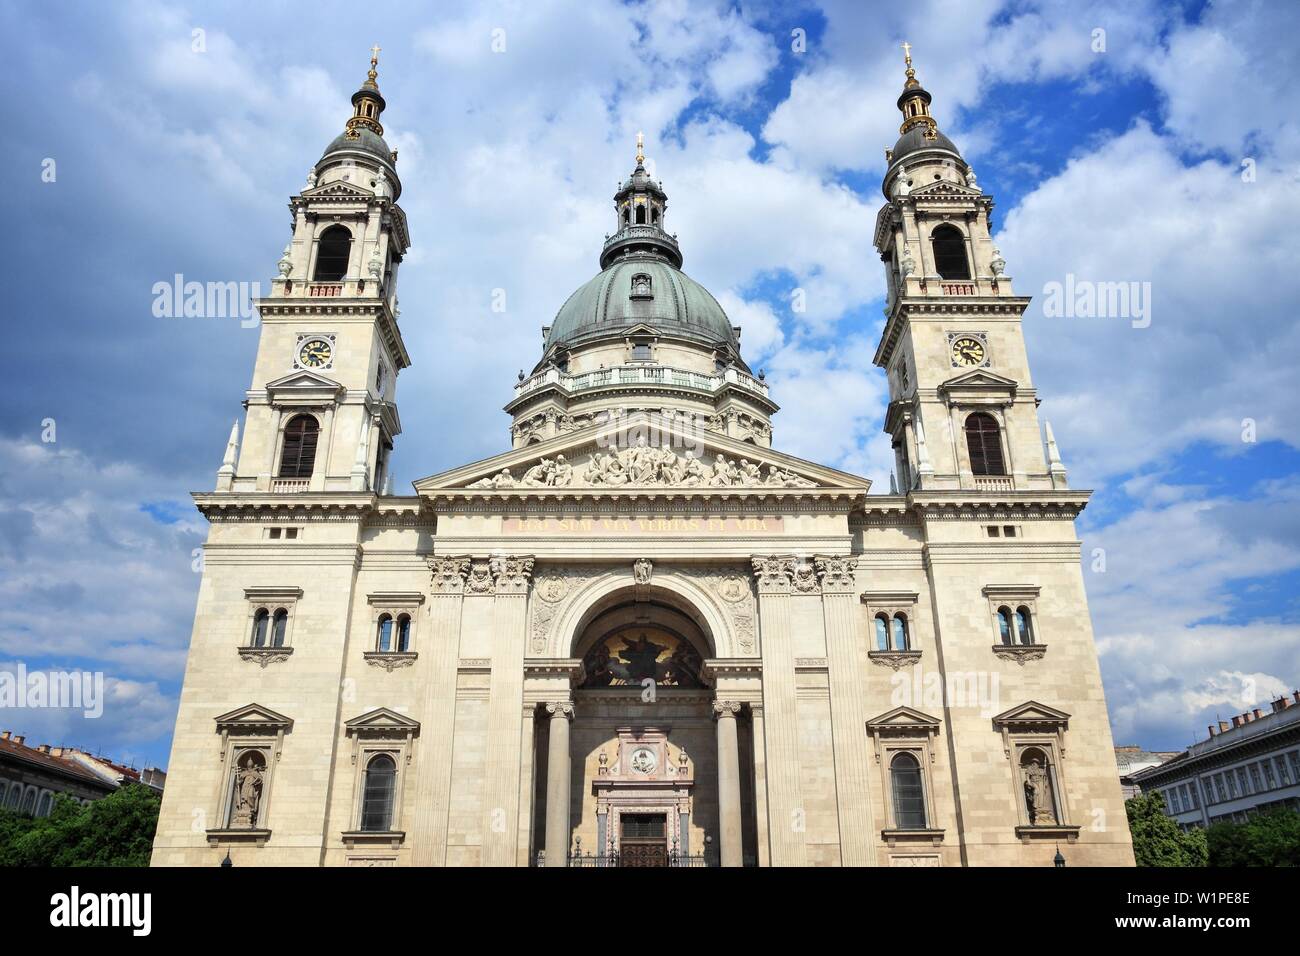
column 967, row 351
column 315, row 353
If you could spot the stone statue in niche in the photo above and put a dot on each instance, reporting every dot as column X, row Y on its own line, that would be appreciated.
column 248, row 792
column 1038, row 794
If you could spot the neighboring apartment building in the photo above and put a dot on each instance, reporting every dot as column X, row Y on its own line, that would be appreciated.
column 114, row 773
column 1130, row 758
column 1250, row 764
column 31, row 777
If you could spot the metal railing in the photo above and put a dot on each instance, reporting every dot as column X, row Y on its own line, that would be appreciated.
column 641, row 375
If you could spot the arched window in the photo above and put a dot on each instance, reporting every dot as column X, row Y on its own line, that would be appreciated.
column 332, row 251
column 984, row 442
column 45, row 805
column 654, row 217
column 1004, row 625
column 377, row 796
column 279, row 624
column 15, row 795
column 640, row 215
column 909, row 792
column 29, row 801
column 950, row 253
column 901, row 642
column 385, row 640
column 298, row 453
column 882, row 632
column 627, row 213
column 404, row 633
column 260, row 621
column 1024, row 626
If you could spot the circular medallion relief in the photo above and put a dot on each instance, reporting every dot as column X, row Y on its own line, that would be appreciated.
column 644, row 760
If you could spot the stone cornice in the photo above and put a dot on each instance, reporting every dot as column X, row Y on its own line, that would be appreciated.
column 372, row 308
column 259, row 505
column 947, row 504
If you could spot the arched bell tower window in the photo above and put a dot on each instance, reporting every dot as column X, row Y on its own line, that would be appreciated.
column 298, row 453
column 332, row 252
column 950, row 253
column 984, row 442
column 640, row 215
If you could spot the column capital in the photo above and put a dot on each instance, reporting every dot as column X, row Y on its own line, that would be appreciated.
column 836, row 573
column 726, row 708
column 560, row 708
column 784, row 573
column 511, row 573
column 449, row 573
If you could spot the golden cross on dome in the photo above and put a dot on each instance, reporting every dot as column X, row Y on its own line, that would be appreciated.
column 640, row 148
column 374, row 54
column 907, row 53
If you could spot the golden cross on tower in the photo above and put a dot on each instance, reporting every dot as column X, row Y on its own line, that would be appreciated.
column 907, row 53
column 374, row 54
column 640, row 148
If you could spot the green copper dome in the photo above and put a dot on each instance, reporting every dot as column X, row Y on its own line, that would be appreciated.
column 642, row 290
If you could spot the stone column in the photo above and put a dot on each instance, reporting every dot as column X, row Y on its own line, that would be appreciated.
column 510, row 577
column 438, row 642
column 729, row 829
column 786, row 830
column 848, row 715
column 557, row 784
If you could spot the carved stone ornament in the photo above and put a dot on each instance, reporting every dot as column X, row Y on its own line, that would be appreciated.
column 265, row 655
column 804, row 578
column 512, row 573
column 449, row 574
column 390, row 660
column 644, row 466
column 560, row 708
column 894, row 660
column 1020, row 653
column 726, row 708
column 642, row 569
column 836, row 573
column 773, row 573
column 480, row 579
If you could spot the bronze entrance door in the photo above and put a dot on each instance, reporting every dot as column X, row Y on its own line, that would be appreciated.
column 643, row 839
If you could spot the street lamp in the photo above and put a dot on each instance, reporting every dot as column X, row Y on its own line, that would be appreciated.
column 1058, row 861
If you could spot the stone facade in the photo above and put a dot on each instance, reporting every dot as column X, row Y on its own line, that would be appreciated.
column 642, row 633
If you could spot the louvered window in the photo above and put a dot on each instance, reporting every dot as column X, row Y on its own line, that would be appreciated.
column 298, row 454
column 985, row 445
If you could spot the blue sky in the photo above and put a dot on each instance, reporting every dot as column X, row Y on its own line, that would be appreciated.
column 1122, row 164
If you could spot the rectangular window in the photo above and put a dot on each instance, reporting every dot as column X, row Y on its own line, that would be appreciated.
column 1009, row 531
column 1256, row 778
column 1282, row 773
column 994, row 531
column 273, row 533
column 1269, row 780
column 640, row 353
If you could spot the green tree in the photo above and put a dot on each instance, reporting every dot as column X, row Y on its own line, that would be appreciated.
column 1157, row 839
column 115, row 831
column 1271, row 838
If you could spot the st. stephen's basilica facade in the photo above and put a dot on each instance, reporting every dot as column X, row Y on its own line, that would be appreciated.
column 643, row 635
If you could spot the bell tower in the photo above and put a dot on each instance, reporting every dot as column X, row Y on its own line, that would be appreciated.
column 321, row 410
column 963, row 410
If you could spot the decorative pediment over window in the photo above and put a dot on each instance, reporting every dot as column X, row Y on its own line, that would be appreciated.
column 337, row 190
column 1031, row 716
column 382, row 724
column 255, row 721
column 904, row 721
column 979, row 384
column 943, row 189
column 303, row 388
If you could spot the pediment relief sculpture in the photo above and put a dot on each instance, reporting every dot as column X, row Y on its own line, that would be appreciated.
column 643, row 465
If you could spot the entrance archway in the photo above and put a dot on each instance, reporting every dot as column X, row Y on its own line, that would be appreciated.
column 641, row 742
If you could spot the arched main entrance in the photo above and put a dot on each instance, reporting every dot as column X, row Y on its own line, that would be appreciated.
column 641, row 740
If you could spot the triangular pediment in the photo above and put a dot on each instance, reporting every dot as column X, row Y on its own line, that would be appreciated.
column 382, row 719
column 980, row 378
column 337, row 190
column 1031, row 712
column 253, row 716
column 627, row 454
column 303, row 379
column 944, row 188
column 903, row 718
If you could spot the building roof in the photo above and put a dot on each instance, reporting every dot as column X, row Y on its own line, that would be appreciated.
column 12, row 750
column 1247, row 729
column 677, row 304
